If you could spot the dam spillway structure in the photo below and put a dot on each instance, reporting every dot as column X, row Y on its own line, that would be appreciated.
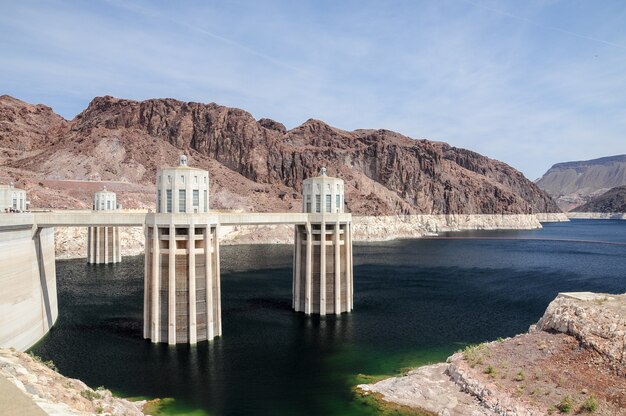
column 322, row 270
column 182, row 274
column 103, row 243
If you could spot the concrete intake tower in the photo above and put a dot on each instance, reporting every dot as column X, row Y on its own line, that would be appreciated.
column 103, row 243
column 182, row 273
column 322, row 270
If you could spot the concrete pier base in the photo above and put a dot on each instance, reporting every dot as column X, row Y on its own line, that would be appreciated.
column 322, row 272
column 103, row 245
column 182, row 280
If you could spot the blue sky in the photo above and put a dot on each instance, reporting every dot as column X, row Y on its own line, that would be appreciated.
column 531, row 83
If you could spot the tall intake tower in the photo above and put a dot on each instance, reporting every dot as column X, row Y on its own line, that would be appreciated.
column 322, row 272
column 182, row 273
column 103, row 243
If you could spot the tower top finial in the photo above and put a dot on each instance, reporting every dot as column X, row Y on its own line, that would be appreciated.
column 323, row 171
column 182, row 160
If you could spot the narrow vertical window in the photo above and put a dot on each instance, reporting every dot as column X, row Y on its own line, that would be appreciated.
column 108, row 204
column 328, row 203
column 182, row 200
column 169, row 200
column 308, row 203
column 338, row 202
column 318, row 203
column 196, row 197
column 159, row 200
column 206, row 200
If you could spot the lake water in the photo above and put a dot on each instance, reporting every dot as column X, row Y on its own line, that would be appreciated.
column 415, row 302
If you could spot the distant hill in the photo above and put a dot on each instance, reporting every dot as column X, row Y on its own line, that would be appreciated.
column 574, row 183
column 612, row 201
column 255, row 165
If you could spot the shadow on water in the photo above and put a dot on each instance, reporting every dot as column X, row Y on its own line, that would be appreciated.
column 416, row 301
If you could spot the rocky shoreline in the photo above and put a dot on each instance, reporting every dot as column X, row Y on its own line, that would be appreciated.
column 72, row 242
column 596, row 215
column 572, row 360
column 37, row 382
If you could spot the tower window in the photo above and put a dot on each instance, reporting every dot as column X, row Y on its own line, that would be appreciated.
column 182, row 200
column 338, row 202
column 159, row 200
column 328, row 203
column 308, row 203
column 206, row 200
column 169, row 200
column 196, row 196
column 318, row 203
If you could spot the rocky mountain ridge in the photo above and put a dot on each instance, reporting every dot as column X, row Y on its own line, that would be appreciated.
column 254, row 165
column 575, row 183
column 612, row 201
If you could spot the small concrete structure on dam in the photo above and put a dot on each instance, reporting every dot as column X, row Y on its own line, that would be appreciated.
column 182, row 295
column 103, row 243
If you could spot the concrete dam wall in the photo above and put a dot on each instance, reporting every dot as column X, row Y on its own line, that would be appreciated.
column 28, row 294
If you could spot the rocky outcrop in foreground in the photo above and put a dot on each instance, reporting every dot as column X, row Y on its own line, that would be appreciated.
column 572, row 361
column 56, row 394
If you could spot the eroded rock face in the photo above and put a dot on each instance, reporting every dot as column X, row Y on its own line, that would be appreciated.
column 575, row 352
column 596, row 320
column 259, row 165
column 56, row 394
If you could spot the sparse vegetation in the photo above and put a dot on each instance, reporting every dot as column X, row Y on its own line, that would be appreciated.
column 520, row 376
column 566, row 404
column 475, row 354
column 90, row 395
column 491, row 371
column 590, row 405
column 49, row 363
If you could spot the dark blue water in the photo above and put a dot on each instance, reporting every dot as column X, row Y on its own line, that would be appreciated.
column 416, row 301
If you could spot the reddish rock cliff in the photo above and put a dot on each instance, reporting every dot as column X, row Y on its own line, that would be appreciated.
column 259, row 165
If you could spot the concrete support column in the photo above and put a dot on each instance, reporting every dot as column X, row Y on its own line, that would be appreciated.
column 218, row 294
column 208, row 275
column 146, row 284
column 293, row 269
column 308, row 270
column 322, row 261
column 156, row 286
column 349, row 282
column 297, row 269
column 337, row 270
column 89, row 245
column 89, row 242
column 171, row 300
column 106, row 245
column 191, row 250
column 97, row 246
